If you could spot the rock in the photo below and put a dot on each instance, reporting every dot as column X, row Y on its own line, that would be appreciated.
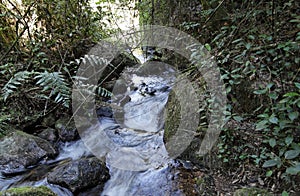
column 104, row 112
column 48, row 134
column 79, row 174
column 114, row 69
column 173, row 117
column 48, row 120
column 251, row 191
column 67, row 130
column 28, row 191
column 19, row 150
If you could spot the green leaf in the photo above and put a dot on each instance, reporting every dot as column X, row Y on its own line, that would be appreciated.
column 294, row 170
column 291, row 94
column 238, row 118
column 269, row 173
column 261, row 125
column 288, row 140
column 273, row 119
column 291, row 154
column 293, row 115
column 271, row 163
column 251, row 37
column 269, row 85
column 260, row 92
column 284, row 193
column 263, row 115
column 248, row 46
column 273, row 95
column 295, row 146
column 207, row 46
column 297, row 85
column 272, row 142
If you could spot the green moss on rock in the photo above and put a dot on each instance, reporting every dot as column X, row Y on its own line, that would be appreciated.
column 28, row 191
column 251, row 192
column 172, row 118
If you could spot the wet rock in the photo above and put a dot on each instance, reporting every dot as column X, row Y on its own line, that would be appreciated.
column 67, row 130
column 48, row 134
column 251, row 191
column 28, row 191
column 104, row 112
column 80, row 174
column 20, row 150
column 146, row 89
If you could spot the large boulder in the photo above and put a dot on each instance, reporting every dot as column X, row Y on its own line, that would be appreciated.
column 28, row 191
column 80, row 174
column 19, row 150
column 67, row 130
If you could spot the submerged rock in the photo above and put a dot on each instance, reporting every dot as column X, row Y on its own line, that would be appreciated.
column 79, row 174
column 28, row 191
column 67, row 130
column 104, row 112
column 20, row 150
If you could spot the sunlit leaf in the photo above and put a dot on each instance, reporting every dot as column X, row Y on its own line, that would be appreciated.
column 291, row 154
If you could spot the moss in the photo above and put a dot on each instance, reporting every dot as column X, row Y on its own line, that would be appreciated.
column 251, row 192
column 173, row 117
column 28, row 191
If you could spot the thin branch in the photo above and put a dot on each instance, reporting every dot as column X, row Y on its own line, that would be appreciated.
column 213, row 13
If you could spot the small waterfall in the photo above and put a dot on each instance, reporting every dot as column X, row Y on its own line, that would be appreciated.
column 137, row 158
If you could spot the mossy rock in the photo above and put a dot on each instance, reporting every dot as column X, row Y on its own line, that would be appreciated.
column 172, row 117
column 251, row 192
column 18, row 150
column 28, row 191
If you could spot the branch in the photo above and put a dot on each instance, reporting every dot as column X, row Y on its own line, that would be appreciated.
column 21, row 34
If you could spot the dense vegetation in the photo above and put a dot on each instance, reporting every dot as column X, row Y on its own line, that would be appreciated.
column 256, row 45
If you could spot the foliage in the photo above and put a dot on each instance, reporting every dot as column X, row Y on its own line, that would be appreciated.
column 58, row 85
column 280, row 124
column 256, row 45
column 258, row 51
column 12, row 85
column 38, row 39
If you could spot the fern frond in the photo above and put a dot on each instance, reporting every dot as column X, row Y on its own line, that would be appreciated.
column 12, row 85
column 55, row 82
column 103, row 92
column 91, row 90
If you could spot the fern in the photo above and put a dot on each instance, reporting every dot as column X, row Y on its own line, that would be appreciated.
column 12, row 85
column 55, row 82
column 89, row 89
column 103, row 92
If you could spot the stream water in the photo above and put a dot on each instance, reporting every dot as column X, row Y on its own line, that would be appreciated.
column 131, row 141
column 138, row 160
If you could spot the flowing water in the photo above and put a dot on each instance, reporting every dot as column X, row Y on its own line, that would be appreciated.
column 138, row 160
column 131, row 141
